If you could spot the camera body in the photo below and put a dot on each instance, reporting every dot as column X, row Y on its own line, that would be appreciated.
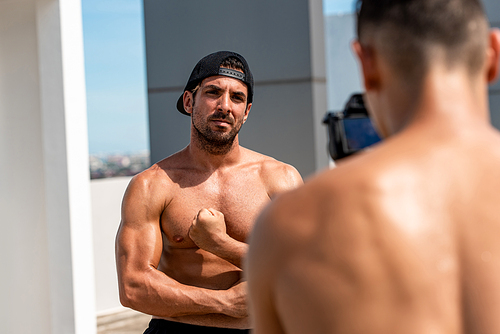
column 350, row 130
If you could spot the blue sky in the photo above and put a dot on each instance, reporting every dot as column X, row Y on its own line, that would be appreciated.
column 115, row 76
column 338, row 6
column 115, row 71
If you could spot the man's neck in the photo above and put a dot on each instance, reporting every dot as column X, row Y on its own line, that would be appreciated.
column 205, row 159
column 451, row 96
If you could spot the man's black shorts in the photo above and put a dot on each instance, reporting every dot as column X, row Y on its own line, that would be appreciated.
column 160, row 326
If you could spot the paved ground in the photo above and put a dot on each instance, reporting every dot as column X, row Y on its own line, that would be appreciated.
column 127, row 322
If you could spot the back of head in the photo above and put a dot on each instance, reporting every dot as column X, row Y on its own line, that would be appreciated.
column 412, row 34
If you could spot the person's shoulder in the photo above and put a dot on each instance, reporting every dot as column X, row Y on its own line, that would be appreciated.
column 279, row 171
column 335, row 190
column 148, row 180
column 276, row 175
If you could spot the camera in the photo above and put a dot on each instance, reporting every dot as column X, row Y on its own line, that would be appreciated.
column 350, row 130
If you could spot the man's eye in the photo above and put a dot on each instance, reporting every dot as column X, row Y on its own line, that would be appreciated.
column 238, row 98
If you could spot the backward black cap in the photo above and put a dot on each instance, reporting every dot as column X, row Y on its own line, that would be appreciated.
column 209, row 66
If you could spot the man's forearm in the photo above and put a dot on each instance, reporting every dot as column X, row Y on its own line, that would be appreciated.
column 231, row 250
column 155, row 293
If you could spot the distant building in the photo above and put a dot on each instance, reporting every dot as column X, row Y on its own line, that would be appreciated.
column 103, row 166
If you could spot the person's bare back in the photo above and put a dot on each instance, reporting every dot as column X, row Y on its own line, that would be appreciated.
column 400, row 239
column 399, row 251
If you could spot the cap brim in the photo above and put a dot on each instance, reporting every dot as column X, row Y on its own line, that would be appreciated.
column 180, row 106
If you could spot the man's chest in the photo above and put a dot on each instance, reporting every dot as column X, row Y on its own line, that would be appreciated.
column 240, row 202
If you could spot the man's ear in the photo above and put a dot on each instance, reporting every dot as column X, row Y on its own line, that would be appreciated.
column 369, row 68
column 247, row 111
column 493, row 56
column 188, row 101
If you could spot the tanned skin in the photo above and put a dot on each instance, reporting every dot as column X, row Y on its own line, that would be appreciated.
column 403, row 238
column 186, row 219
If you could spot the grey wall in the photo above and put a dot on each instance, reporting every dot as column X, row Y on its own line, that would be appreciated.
column 278, row 40
column 107, row 196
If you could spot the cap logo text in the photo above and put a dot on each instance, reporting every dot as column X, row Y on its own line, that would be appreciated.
column 232, row 73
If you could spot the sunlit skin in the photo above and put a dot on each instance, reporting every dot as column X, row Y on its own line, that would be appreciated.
column 186, row 219
column 403, row 238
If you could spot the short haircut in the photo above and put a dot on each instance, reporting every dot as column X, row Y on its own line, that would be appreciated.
column 232, row 63
column 412, row 33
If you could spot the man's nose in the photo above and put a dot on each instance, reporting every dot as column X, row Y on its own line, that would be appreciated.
column 225, row 102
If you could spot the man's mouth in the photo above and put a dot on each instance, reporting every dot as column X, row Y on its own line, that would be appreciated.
column 220, row 121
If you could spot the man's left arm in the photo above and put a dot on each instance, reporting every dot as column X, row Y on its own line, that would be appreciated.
column 208, row 230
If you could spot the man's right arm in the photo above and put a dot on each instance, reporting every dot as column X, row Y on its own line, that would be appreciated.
column 139, row 247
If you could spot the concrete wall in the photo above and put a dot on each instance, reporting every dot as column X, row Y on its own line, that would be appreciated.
column 107, row 196
column 283, row 44
column 46, row 284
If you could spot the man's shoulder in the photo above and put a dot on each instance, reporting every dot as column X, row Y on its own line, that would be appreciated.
column 337, row 190
column 327, row 200
column 268, row 164
column 278, row 176
column 275, row 168
column 148, row 180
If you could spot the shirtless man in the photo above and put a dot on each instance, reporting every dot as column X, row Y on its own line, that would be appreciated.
column 403, row 238
column 185, row 220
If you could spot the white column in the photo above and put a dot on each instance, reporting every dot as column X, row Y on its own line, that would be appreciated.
column 65, row 146
column 47, row 281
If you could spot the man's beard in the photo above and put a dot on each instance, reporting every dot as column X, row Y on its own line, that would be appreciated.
column 215, row 142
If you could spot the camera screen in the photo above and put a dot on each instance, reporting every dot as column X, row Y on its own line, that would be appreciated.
column 359, row 133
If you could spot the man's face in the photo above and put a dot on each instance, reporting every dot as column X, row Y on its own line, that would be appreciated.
column 219, row 109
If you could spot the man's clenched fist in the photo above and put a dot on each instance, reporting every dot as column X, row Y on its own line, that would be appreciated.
column 208, row 229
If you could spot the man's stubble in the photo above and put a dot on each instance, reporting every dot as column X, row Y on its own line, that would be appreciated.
column 214, row 142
